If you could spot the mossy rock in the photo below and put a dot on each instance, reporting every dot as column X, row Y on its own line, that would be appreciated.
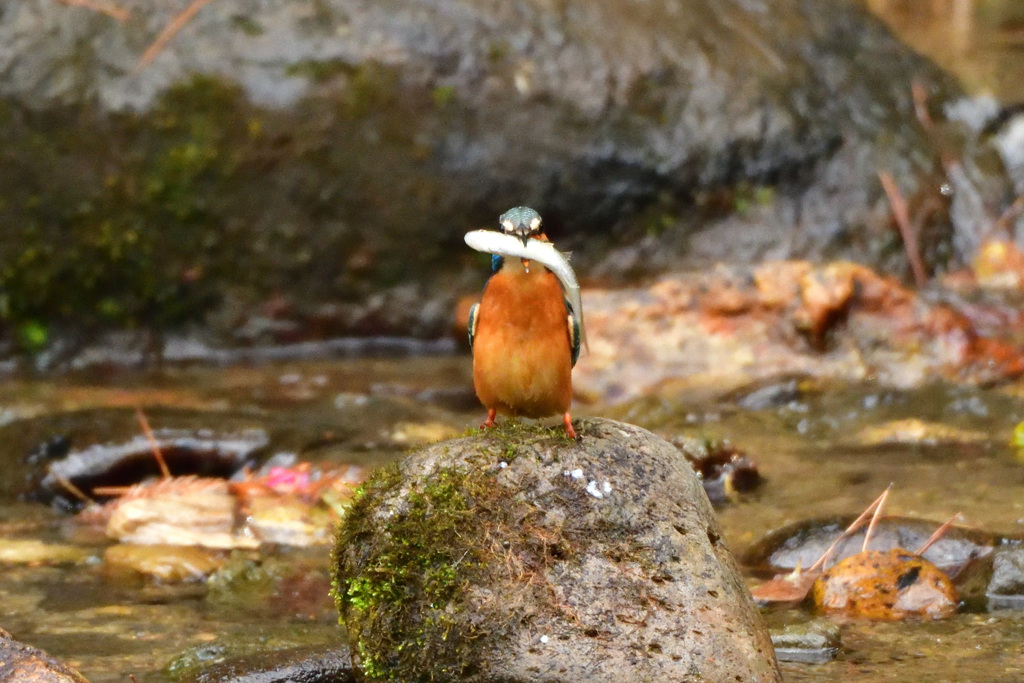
column 516, row 553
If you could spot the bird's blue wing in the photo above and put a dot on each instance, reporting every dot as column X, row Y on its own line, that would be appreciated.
column 472, row 323
column 574, row 333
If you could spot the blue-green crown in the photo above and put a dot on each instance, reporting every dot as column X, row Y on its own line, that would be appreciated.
column 521, row 221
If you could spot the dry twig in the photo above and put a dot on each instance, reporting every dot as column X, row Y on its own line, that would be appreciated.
column 919, row 93
column 112, row 11
column 899, row 212
column 144, row 423
column 169, row 32
column 874, row 518
column 857, row 523
column 1003, row 224
column 939, row 533
column 72, row 489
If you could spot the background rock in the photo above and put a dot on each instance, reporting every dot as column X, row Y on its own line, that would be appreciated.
column 303, row 169
column 517, row 555
column 722, row 328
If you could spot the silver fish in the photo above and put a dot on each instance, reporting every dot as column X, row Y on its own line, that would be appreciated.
column 492, row 242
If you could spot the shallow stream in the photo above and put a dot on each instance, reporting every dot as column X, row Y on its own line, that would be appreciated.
column 816, row 444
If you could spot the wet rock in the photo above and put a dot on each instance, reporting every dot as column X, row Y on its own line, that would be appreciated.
column 163, row 563
column 771, row 395
column 643, row 124
column 724, row 471
column 802, row 543
column 1006, row 587
column 36, row 552
column 203, row 452
column 893, row 584
column 26, row 664
column 294, row 665
column 726, row 328
column 915, row 431
column 515, row 551
column 275, row 586
column 815, row 642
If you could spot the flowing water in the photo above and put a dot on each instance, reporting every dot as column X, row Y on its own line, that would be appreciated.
column 813, row 442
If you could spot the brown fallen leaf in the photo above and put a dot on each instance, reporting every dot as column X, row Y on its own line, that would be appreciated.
column 786, row 588
column 887, row 585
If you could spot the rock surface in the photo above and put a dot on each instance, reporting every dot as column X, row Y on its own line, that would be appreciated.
column 338, row 150
column 296, row 665
column 22, row 663
column 736, row 324
column 516, row 555
column 814, row 642
column 1006, row 587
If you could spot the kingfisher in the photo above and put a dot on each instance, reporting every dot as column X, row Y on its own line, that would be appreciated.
column 524, row 334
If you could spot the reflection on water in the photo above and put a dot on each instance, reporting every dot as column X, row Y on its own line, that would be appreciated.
column 980, row 41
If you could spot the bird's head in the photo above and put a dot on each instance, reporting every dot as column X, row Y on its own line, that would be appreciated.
column 522, row 222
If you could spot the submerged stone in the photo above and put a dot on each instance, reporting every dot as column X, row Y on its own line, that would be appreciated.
column 1006, row 587
column 293, row 665
column 517, row 555
column 26, row 664
column 802, row 543
column 815, row 642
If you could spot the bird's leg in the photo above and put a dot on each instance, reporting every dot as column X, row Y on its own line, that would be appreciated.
column 489, row 422
column 569, row 431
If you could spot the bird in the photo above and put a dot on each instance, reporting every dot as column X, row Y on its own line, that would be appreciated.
column 524, row 336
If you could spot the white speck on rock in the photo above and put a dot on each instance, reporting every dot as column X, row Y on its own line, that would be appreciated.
column 593, row 490
column 607, row 486
column 544, row 639
column 577, row 474
column 502, row 464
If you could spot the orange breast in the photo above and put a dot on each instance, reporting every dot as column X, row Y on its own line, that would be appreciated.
column 521, row 356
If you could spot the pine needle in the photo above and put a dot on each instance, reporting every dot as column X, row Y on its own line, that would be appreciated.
column 112, row 11
column 171, row 30
column 164, row 470
column 939, row 533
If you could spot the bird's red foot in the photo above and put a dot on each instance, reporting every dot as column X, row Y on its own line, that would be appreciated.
column 569, row 431
column 489, row 422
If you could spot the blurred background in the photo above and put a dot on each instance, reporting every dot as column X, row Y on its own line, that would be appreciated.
column 798, row 227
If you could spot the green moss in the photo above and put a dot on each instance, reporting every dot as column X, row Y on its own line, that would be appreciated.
column 402, row 573
column 443, row 95
column 371, row 88
column 497, row 50
column 746, row 197
column 134, row 248
column 247, row 26
column 319, row 70
column 408, row 585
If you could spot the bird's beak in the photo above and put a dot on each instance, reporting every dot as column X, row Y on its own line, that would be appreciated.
column 525, row 238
